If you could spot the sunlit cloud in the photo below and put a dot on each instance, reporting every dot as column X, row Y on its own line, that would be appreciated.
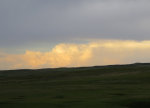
column 100, row 52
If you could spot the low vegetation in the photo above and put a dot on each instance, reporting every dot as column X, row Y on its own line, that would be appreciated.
column 120, row 86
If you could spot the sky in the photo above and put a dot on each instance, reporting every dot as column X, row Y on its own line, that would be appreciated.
column 73, row 33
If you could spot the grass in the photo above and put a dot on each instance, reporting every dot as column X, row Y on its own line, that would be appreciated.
column 120, row 86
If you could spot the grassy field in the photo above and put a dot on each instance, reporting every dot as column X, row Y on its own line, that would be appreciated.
column 122, row 86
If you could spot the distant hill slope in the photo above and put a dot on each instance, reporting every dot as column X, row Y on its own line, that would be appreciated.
column 114, row 86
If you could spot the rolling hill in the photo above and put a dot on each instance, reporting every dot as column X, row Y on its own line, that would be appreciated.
column 115, row 86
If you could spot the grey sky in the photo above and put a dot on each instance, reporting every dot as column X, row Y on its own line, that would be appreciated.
column 47, row 22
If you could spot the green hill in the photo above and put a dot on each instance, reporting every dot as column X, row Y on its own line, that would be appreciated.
column 118, row 86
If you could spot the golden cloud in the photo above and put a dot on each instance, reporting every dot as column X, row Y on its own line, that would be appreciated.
column 101, row 52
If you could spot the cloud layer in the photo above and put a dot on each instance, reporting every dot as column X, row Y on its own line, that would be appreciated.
column 100, row 52
column 25, row 23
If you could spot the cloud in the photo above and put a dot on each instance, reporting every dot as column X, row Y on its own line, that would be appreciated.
column 100, row 52
column 30, row 22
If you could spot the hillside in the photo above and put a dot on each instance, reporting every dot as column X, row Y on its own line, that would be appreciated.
column 118, row 86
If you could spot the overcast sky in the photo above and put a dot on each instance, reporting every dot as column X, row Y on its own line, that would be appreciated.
column 42, row 25
column 27, row 23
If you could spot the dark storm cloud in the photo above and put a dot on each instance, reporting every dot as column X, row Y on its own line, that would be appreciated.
column 24, row 22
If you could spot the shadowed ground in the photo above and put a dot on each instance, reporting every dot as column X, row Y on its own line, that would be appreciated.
column 122, row 86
